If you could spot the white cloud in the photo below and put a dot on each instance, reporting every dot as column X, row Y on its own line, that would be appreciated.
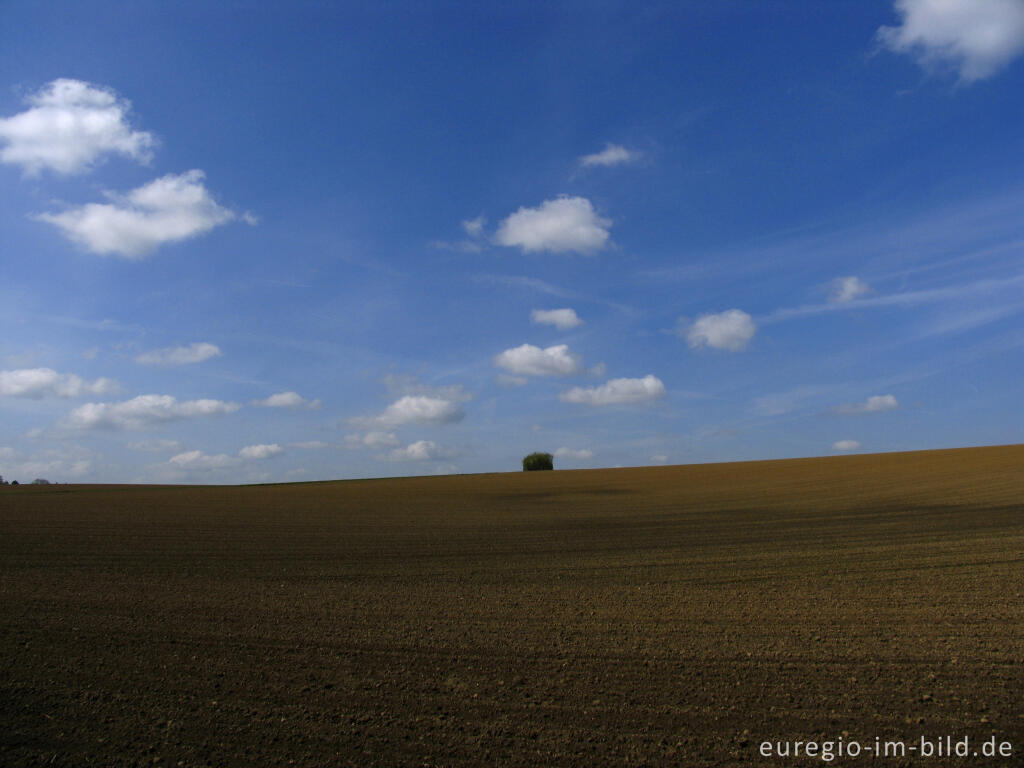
column 612, row 154
column 729, row 330
column 69, row 127
column 196, row 352
column 617, row 391
column 659, row 458
column 40, row 382
column 144, row 411
column 202, row 461
column 975, row 37
column 292, row 400
column 421, row 450
column 562, row 319
column 559, row 225
column 6, row 452
column 873, row 404
column 846, row 289
column 155, row 446
column 421, row 409
column 474, row 227
column 845, row 445
column 569, row 453
column 258, row 452
column 165, row 210
column 528, row 360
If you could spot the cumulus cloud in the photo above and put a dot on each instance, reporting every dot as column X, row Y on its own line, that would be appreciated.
column 291, row 400
column 617, row 391
column 569, row 453
column 42, row 382
column 659, row 458
column 201, row 461
column 612, row 154
column 845, row 445
column 730, row 330
column 528, row 360
column 144, row 411
column 562, row 319
column 975, row 37
column 846, row 289
column 196, row 352
column 165, row 210
column 261, row 451
column 421, row 409
column 559, row 225
column 873, row 404
column 421, row 450
column 69, row 127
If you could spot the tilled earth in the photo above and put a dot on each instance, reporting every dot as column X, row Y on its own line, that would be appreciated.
column 661, row 616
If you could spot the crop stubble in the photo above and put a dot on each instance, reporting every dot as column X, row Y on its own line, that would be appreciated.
column 660, row 616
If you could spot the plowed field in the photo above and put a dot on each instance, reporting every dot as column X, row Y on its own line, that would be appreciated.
column 659, row 616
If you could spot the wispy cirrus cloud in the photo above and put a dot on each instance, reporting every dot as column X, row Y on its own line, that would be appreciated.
column 611, row 155
column 166, row 210
column 196, row 352
column 846, row 289
column 874, row 404
column 69, row 127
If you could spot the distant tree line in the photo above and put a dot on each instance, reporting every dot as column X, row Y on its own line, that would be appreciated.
column 37, row 481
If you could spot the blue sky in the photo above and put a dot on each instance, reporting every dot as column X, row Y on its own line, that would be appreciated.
column 299, row 241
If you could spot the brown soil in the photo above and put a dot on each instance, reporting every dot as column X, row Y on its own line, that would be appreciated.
column 672, row 616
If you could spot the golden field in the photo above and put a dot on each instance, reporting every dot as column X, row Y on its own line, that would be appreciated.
column 651, row 616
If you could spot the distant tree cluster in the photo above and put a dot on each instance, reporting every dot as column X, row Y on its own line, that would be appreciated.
column 538, row 461
column 37, row 481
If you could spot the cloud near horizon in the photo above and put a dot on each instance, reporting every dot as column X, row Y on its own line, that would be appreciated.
column 422, row 450
column 70, row 126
